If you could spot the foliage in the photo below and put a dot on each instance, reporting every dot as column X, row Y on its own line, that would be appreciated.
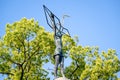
column 23, row 50
column 89, row 64
column 26, row 47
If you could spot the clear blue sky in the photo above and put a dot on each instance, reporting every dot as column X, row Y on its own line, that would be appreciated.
column 96, row 22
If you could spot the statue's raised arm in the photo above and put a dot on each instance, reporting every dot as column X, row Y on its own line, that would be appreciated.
column 54, row 22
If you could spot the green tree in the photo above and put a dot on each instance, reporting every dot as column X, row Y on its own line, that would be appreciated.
column 23, row 50
column 26, row 47
column 89, row 64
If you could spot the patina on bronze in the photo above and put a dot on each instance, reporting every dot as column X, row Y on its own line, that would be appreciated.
column 58, row 29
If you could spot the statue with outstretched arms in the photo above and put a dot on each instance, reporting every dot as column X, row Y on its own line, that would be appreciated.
column 55, row 24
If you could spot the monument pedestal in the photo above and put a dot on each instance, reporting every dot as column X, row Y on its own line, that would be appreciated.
column 61, row 78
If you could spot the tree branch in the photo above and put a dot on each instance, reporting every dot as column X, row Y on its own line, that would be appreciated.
column 13, row 61
column 23, row 46
column 75, row 68
column 22, row 73
column 7, row 73
column 3, row 57
column 34, row 53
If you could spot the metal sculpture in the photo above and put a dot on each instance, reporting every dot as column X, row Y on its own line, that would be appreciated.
column 58, row 29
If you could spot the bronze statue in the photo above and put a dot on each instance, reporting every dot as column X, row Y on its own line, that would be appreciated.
column 55, row 24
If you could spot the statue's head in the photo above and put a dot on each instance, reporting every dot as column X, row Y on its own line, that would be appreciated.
column 59, row 34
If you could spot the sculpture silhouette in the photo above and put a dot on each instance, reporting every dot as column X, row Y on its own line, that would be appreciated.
column 58, row 29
